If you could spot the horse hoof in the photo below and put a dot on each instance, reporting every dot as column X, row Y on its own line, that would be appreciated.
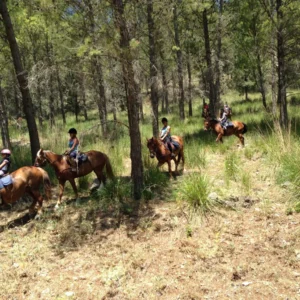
column 37, row 216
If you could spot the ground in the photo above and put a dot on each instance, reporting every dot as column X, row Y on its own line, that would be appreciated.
column 248, row 249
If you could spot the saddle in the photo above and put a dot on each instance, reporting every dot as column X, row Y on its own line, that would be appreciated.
column 80, row 159
column 5, row 181
column 227, row 124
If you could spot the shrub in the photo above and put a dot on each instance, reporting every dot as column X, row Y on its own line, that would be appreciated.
column 195, row 190
column 155, row 182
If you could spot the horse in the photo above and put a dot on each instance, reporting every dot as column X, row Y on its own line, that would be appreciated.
column 163, row 154
column 96, row 161
column 237, row 129
column 27, row 180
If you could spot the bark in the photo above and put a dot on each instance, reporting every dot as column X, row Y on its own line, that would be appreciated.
column 51, row 92
column 281, row 71
column 61, row 95
column 83, row 96
column 22, row 79
column 18, row 103
column 4, row 122
column 174, row 88
column 97, row 70
column 101, row 98
column 179, row 61
column 261, row 81
column 153, row 68
column 190, row 86
column 132, row 101
column 210, row 78
column 165, row 101
column 219, row 53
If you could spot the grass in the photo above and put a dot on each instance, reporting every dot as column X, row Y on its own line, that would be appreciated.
column 99, row 250
column 195, row 190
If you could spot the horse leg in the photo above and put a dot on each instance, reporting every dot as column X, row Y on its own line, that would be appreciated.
column 242, row 140
column 38, row 199
column 35, row 200
column 159, row 164
column 100, row 176
column 73, row 184
column 177, row 162
column 219, row 138
column 170, row 169
column 182, row 158
column 61, row 191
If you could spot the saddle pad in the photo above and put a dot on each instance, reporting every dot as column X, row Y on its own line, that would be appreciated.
column 5, row 181
column 176, row 145
column 229, row 124
column 82, row 158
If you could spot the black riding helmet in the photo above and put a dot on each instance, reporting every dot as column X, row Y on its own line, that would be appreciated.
column 72, row 130
column 164, row 120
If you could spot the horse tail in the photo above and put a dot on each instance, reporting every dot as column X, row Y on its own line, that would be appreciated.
column 47, row 184
column 109, row 170
column 245, row 129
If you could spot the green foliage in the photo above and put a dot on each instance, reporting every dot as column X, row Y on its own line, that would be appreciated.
column 155, row 182
column 231, row 166
column 194, row 190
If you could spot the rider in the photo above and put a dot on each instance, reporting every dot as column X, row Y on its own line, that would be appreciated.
column 205, row 110
column 73, row 146
column 5, row 162
column 224, row 118
column 228, row 111
column 165, row 135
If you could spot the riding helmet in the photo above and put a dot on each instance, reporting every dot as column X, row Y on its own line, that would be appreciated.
column 72, row 130
column 164, row 120
column 6, row 151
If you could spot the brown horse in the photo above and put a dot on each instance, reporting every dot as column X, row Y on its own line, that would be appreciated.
column 237, row 129
column 157, row 148
column 96, row 162
column 27, row 180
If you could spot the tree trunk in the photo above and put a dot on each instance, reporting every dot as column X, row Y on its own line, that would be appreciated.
column 190, row 86
column 210, row 78
column 153, row 68
column 51, row 92
column 165, row 101
column 38, row 91
column 219, row 53
column 132, row 101
column 174, row 92
column 101, row 98
column 83, row 96
column 246, row 89
column 4, row 122
column 281, row 97
column 179, row 61
column 261, row 80
column 22, row 79
column 97, row 70
column 61, row 95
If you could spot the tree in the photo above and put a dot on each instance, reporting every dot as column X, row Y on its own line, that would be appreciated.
column 22, row 80
column 179, row 59
column 132, row 99
column 153, row 68
column 3, row 121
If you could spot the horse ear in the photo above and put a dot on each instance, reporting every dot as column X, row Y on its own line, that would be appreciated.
column 42, row 150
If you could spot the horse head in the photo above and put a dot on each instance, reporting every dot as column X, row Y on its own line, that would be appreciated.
column 40, row 159
column 152, row 146
column 207, row 123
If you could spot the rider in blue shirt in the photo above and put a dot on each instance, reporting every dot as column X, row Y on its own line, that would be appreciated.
column 165, row 135
column 73, row 146
column 5, row 162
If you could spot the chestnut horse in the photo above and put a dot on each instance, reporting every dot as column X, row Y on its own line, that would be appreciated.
column 237, row 129
column 157, row 148
column 96, row 162
column 27, row 180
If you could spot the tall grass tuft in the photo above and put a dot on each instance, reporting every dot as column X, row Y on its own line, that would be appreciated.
column 195, row 190
column 231, row 166
column 155, row 182
column 115, row 196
